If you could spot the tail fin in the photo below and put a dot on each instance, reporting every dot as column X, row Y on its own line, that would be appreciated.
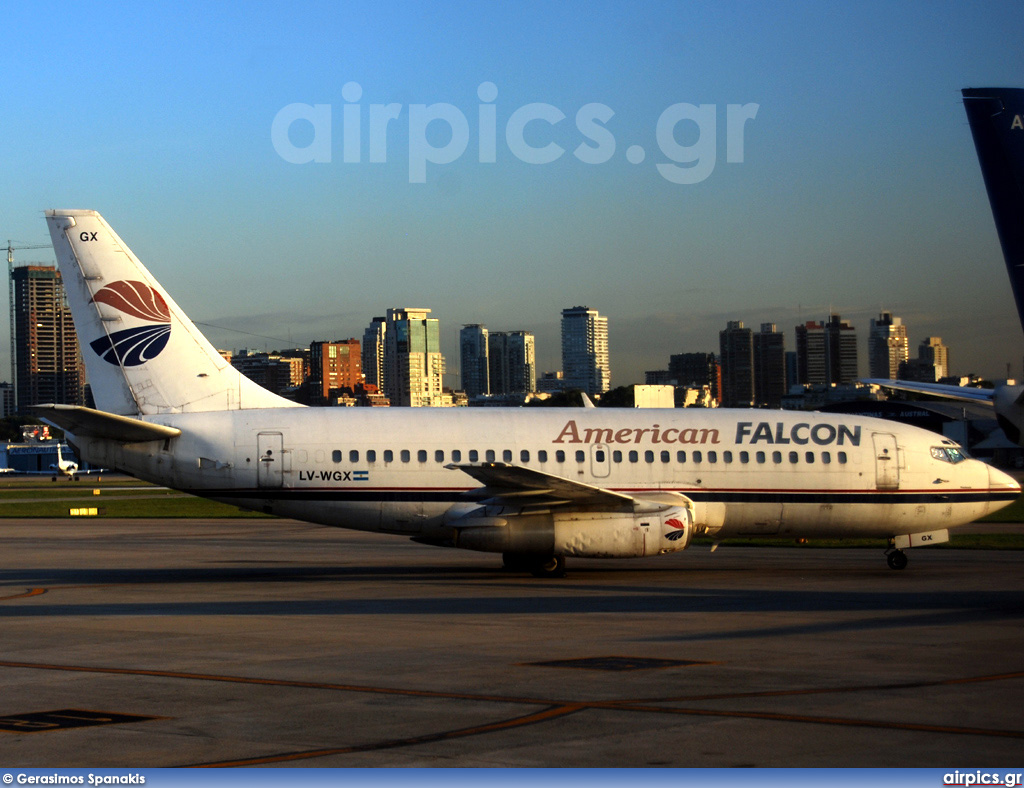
column 142, row 354
column 996, row 116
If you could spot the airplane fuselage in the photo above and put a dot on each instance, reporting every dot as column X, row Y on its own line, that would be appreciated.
column 747, row 472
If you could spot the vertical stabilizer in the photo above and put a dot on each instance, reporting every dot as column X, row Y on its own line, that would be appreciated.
column 996, row 116
column 143, row 355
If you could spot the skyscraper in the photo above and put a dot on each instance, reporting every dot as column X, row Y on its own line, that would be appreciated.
column 769, row 366
column 826, row 352
column 414, row 366
column 887, row 346
column 932, row 351
column 48, row 366
column 513, row 368
column 334, row 365
column 736, row 344
column 474, row 360
column 372, row 353
column 696, row 370
column 585, row 350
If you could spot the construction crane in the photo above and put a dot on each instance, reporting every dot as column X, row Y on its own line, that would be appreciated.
column 11, row 249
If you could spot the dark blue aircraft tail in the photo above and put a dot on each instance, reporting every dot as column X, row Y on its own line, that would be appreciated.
column 996, row 116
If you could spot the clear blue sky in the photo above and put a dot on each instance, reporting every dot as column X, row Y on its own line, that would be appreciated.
column 858, row 191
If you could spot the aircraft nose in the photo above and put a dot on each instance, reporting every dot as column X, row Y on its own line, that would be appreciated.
column 1002, row 482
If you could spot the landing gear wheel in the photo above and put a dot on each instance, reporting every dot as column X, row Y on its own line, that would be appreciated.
column 516, row 562
column 549, row 567
column 897, row 559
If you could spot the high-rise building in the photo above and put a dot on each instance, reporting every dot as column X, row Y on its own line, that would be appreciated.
column 374, row 371
column 887, row 346
column 513, row 367
column 333, row 365
column 696, row 370
column 826, row 352
column 271, row 371
column 414, row 366
column 474, row 360
column 585, row 363
column 48, row 366
column 737, row 351
column 769, row 366
column 932, row 353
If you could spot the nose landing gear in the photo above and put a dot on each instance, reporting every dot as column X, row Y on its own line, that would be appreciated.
column 896, row 559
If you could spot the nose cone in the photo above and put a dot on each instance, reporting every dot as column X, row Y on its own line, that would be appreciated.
column 1003, row 489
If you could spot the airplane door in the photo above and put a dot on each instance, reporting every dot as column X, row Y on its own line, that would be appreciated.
column 600, row 461
column 887, row 461
column 270, row 471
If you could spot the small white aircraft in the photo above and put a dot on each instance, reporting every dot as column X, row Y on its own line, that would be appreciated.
column 996, row 116
column 535, row 485
column 64, row 467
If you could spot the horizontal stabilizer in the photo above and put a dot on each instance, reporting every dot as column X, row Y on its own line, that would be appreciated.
column 90, row 423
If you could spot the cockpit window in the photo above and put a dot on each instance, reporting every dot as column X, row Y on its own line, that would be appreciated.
column 949, row 454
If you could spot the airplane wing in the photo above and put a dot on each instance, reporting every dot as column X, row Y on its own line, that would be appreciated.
column 961, row 393
column 516, row 486
column 83, row 421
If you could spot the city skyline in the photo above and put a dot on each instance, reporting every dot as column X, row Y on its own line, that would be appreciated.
column 834, row 169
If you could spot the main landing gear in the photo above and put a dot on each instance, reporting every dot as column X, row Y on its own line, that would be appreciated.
column 538, row 566
column 896, row 559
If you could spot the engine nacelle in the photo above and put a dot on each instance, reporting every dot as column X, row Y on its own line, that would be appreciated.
column 663, row 529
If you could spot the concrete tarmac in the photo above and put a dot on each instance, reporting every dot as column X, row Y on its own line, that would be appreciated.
column 271, row 642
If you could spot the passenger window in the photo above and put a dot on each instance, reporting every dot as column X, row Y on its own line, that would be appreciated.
column 490, row 455
column 599, row 455
column 405, row 455
column 841, row 456
column 524, row 456
column 794, row 457
column 744, row 457
column 421, row 455
column 542, row 456
column 776, row 457
column 680, row 456
column 616, row 456
column 371, row 455
column 698, row 456
column 389, row 455
column 634, row 457
column 648, row 456
column 666, row 457
column 761, row 458
column 712, row 456
column 353, row 456
column 456, row 455
column 559, row 456
column 336, row 455
column 506, row 455
column 474, row 455
column 438, row 455
column 809, row 457
column 826, row 457
column 581, row 456
column 726, row 456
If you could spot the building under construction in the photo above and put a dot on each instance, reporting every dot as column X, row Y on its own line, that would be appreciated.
column 48, row 366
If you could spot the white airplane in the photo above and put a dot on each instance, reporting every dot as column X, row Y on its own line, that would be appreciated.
column 64, row 467
column 535, row 485
column 996, row 117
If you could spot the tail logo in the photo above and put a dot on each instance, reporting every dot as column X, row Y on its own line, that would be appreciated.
column 131, row 347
